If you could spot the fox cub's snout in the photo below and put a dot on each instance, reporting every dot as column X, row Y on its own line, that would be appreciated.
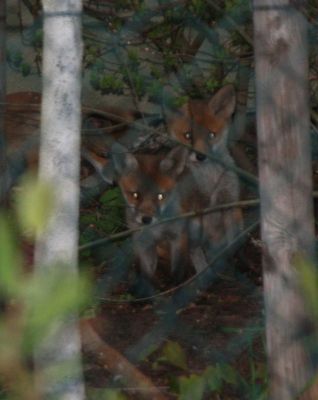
column 203, row 124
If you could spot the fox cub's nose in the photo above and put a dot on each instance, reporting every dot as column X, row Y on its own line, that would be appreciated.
column 146, row 220
column 200, row 156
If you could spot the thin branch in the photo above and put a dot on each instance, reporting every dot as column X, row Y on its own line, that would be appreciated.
column 190, row 214
column 33, row 9
column 194, row 277
column 117, row 364
column 244, row 35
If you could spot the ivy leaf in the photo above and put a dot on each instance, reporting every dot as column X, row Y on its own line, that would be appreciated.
column 113, row 204
column 10, row 258
column 228, row 373
column 174, row 354
column 192, row 387
column 213, row 378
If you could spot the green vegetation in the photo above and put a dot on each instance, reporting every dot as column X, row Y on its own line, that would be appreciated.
column 32, row 304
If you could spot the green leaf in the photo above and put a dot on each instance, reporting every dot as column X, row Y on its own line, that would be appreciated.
column 198, row 6
column 25, row 69
column 174, row 354
column 50, row 296
column 191, row 388
column 10, row 258
column 112, row 198
column 213, row 378
column 211, row 84
column 106, row 81
column 228, row 373
column 34, row 205
column 105, row 394
column 179, row 101
column 308, row 277
column 133, row 56
column 113, row 205
column 38, row 37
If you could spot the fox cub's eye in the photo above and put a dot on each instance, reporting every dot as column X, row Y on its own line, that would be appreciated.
column 160, row 196
column 212, row 135
column 135, row 195
column 188, row 135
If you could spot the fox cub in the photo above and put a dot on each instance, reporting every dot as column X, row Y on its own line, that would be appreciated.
column 204, row 125
column 175, row 181
column 155, row 187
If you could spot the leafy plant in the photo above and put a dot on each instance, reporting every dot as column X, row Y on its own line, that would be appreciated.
column 33, row 304
column 214, row 379
column 191, row 387
column 105, row 394
column 308, row 277
column 110, row 217
column 34, row 204
column 173, row 354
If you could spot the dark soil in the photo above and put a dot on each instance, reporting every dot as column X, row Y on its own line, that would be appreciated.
column 221, row 325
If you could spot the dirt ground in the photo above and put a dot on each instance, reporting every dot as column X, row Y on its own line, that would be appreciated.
column 221, row 325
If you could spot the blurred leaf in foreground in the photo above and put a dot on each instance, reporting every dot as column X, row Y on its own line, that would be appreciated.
column 34, row 204
column 308, row 279
column 10, row 259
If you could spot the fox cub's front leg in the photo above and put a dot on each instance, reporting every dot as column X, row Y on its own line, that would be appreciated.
column 179, row 256
column 147, row 260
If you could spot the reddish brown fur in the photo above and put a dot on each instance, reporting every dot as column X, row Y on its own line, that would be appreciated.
column 202, row 115
column 196, row 112
column 142, row 178
column 200, row 118
column 147, row 175
column 149, row 165
column 204, row 125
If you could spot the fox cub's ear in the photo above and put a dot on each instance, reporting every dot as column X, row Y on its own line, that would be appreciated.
column 222, row 104
column 123, row 160
column 175, row 161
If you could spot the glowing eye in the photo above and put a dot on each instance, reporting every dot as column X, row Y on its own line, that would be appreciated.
column 160, row 196
column 135, row 195
column 188, row 135
column 211, row 135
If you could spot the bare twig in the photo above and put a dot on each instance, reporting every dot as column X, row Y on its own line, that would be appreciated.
column 190, row 214
column 194, row 277
column 244, row 35
column 117, row 364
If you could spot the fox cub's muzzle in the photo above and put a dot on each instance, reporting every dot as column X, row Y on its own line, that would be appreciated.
column 146, row 219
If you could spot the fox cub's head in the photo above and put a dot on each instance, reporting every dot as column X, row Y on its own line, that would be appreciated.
column 203, row 124
column 147, row 181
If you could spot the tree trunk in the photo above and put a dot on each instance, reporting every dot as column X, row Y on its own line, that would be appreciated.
column 287, row 227
column 59, row 165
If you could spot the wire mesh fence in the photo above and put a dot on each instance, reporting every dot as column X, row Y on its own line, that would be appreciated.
column 169, row 224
